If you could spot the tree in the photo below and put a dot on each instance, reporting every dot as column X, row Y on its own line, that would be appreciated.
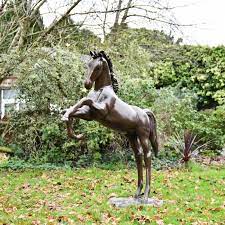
column 110, row 15
column 22, row 24
column 19, row 22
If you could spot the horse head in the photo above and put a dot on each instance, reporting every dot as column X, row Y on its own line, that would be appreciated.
column 95, row 68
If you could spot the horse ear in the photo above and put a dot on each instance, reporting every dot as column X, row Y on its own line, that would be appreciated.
column 91, row 53
column 101, row 56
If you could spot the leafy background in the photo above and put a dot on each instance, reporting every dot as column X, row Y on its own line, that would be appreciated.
column 183, row 85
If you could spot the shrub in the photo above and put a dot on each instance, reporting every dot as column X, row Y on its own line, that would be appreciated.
column 176, row 111
column 52, row 77
column 201, row 69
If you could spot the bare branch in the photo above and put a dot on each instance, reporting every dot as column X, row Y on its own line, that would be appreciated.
column 67, row 13
column 37, row 7
column 15, row 39
column 160, row 20
column 102, row 12
column 105, row 18
column 2, row 6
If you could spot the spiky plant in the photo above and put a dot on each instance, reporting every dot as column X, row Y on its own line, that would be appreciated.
column 189, row 145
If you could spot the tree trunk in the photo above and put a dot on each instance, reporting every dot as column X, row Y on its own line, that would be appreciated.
column 116, row 22
column 126, row 12
column 15, row 39
column 24, row 28
column 105, row 18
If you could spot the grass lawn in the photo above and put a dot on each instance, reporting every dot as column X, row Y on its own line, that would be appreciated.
column 81, row 196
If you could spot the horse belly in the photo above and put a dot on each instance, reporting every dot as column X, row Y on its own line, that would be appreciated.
column 122, row 118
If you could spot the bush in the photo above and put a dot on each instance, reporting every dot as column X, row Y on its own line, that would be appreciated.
column 201, row 69
column 53, row 79
column 176, row 111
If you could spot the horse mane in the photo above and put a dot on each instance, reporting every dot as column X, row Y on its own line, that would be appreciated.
column 102, row 54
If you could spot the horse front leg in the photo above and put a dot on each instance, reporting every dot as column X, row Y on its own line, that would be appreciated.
column 68, row 118
column 70, row 132
column 73, row 109
column 101, row 108
column 82, row 113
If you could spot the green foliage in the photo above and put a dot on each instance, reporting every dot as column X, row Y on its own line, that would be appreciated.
column 175, row 111
column 133, row 60
column 16, row 163
column 153, row 73
column 9, row 64
column 142, row 37
column 50, row 76
column 5, row 149
column 137, row 91
column 50, row 80
column 201, row 69
column 46, row 78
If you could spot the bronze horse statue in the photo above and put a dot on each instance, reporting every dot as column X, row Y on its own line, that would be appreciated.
column 103, row 105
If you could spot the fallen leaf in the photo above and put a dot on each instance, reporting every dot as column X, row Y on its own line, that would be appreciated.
column 189, row 210
column 25, row 186
column 112, row 195
column 160, row 222
column 216, row 209
column 81, row 218
column 36, row 222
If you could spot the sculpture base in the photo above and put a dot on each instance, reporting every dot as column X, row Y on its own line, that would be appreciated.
column 125, row 202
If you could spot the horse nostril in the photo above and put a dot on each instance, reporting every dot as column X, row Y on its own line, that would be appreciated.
column 88, row 84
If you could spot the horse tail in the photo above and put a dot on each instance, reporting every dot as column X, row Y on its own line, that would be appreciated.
column 153, row 131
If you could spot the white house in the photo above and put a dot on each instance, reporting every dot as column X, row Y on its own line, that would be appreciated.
column 8, row 95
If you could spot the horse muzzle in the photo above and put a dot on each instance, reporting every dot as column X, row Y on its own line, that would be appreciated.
column 88, row 84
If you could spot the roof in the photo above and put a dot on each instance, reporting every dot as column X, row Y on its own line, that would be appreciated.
column 8, row 82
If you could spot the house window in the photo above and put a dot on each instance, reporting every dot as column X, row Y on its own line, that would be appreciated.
column 8, row 102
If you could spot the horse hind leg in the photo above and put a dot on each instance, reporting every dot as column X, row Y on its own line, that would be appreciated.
column 147, row 159
column 135, row 145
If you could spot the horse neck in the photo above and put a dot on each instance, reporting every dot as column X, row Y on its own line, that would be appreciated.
column 104, row 79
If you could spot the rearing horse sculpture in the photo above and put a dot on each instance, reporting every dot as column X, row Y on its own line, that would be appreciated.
column 104, row 106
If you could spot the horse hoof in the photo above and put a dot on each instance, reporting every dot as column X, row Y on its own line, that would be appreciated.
column 63, row 111
column 138, row 195
column 79, row 136
column 145, row 198
column 65, row 119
